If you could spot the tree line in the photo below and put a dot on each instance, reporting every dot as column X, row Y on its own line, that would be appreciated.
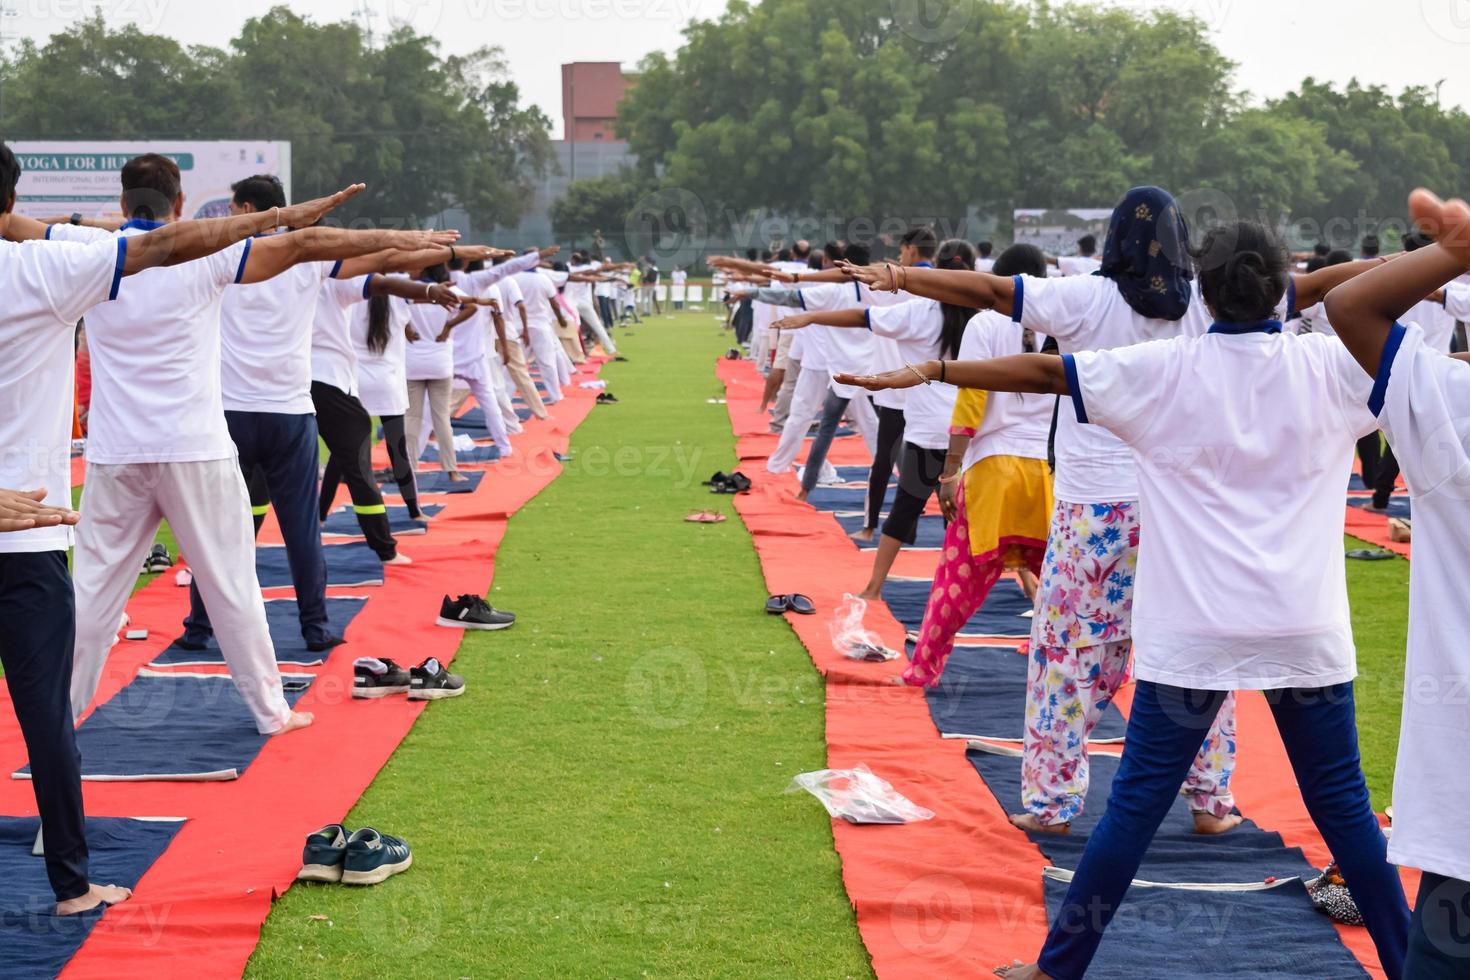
column 810, row 108
column 424, row 131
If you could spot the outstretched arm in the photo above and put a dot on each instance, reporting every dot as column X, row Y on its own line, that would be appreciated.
column 395, row 260
column 1313, row 287
column 978, row 290
column 269, row 257
column 823, row 318
column 185, row 241
column 412, row 289
column 1039, row 374
column 1363, row 310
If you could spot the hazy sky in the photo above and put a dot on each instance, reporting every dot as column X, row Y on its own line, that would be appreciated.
column 1275, row 42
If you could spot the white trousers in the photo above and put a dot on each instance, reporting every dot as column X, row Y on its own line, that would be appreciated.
column 806, row 406
column 206, row 505
column 587, row 311
column 484, row 394
column 545, row 348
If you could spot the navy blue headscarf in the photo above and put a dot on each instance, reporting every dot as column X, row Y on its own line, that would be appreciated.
column 1147, row 254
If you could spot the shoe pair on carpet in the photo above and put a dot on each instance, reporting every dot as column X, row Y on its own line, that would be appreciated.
column 363, row 857
column 373, row 677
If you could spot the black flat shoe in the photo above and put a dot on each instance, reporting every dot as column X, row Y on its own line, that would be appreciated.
column 326, row 643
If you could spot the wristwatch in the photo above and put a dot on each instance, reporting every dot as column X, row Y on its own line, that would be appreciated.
column 76, row 218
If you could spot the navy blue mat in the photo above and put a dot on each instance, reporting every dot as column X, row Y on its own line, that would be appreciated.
column 285, row 626
column 347, row 564
column 1171, row 932
column 1398, row 506
column 845, row 498
column 342, row 523
column 437, row 481
column 853, row 474
column 480, row 454
column 983, row 693
column 1002, row 613
column 36, row 944
column 930, row 534
column 174, row 727
column 472, row 422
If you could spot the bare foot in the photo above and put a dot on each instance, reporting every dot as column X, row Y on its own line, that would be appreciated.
column 1022, row 971
column 1208, row 823
column 801, row 495
column 96, row 895
column 865, row 535
column 298, row 719
column 871, row 595
column 458, row 478
column 399, row 559
column 1028, row 821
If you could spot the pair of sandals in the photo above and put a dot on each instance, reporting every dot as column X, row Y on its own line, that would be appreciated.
column 734, row 354
column 778, row 605
column 706, row 517
column 736, row 482
column 607, row 398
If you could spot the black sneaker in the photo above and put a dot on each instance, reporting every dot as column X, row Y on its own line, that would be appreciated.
column 429, row 681
column 324, row 855
column 158, row 560
column 324, row 643
column 470, row 612
column 373, row 857
column 374, row 678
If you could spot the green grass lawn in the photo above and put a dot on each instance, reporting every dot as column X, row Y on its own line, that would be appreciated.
column 607, row 798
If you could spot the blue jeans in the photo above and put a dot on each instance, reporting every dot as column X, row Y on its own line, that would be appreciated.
column 1165, row 726
column 816, row 455
column 282, row 452
column 37, row 633
column 1439, row 939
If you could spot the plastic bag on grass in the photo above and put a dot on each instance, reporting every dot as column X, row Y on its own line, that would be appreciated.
column 859, row 796
column 851, row 639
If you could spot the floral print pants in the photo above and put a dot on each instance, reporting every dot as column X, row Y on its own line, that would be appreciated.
column 1080, row 646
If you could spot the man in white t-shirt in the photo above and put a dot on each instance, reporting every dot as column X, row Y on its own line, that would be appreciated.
column 48, row 287
column 984, row 256
column 542, row 314
column 517, row 342
column 158, row 447
column 1085, row 262
column 583, row 273
column 265, row 375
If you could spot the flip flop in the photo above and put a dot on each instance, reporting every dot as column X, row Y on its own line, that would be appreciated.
column 1371, row 554
column 800, row 604
column 717, row 479
column 776, row 604
column 706, row 517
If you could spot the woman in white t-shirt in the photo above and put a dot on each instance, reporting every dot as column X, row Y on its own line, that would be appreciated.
column 1245, row 439
column 379, row 332
column 429, row 367
column 1421, row 398
column 923, row 329
column 1081, row 634
column 996, row 486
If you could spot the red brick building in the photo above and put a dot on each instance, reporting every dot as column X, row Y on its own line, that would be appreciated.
column 590, row 92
